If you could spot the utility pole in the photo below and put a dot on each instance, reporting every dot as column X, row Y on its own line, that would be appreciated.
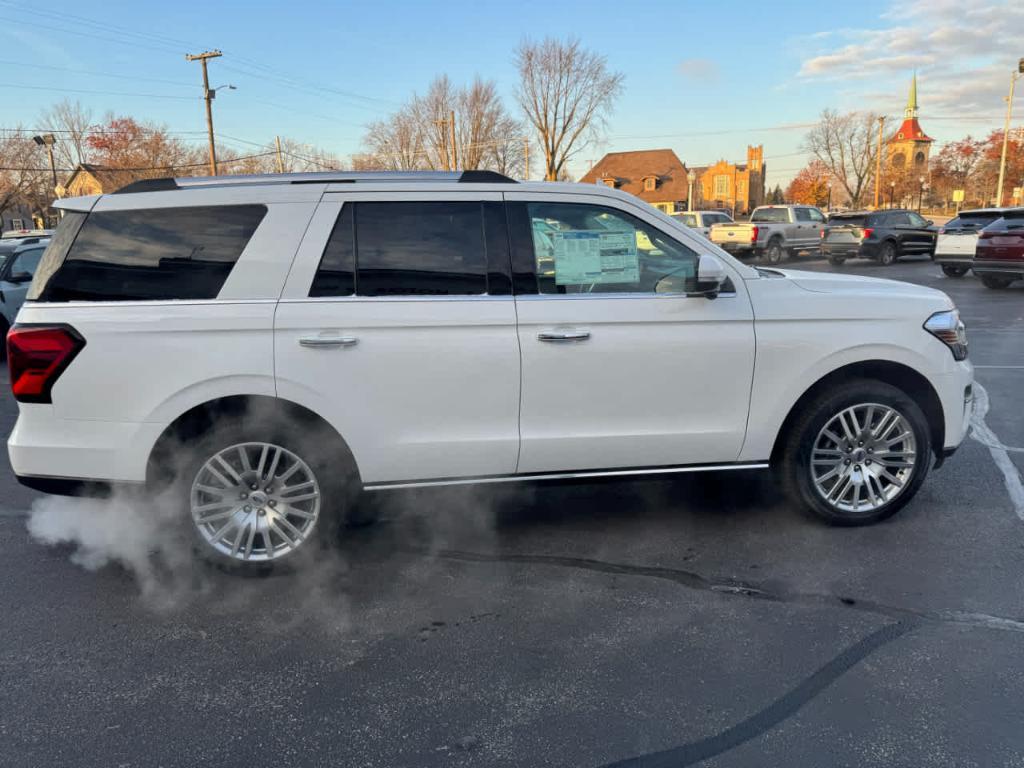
column 526, row 154
column 444, row 142
column 878, row 160
column 455, row 147
column 280, row 160
column 1006, row 131
column 208, row 95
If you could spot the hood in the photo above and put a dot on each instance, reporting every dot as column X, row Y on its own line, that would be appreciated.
column 829, row 282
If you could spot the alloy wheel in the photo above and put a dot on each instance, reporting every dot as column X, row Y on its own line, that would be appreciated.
column 255, row 502
column 863, row 457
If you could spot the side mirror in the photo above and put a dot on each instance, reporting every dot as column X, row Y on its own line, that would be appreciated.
column 711, row 275
column 19, row 277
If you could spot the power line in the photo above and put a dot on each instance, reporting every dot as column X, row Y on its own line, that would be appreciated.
column 165, row 167
column 102, row 93
column 35, row 65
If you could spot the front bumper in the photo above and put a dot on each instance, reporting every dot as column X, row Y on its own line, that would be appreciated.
column 954, row 259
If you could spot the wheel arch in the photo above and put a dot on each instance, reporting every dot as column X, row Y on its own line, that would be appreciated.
column 899, row 375
column 200, row 418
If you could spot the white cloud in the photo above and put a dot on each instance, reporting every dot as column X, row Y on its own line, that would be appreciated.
column 963, row 51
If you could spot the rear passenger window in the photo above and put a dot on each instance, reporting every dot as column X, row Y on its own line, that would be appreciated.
column 153, row 254
column 405, row 249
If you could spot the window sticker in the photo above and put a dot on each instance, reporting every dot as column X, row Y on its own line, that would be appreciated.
column 589, row 257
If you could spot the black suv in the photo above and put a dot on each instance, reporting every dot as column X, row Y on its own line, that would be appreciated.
column 880, row 235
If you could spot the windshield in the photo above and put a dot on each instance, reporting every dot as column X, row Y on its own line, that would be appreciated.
column 780, row 215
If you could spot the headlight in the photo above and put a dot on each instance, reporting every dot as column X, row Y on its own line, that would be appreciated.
column 948, row 328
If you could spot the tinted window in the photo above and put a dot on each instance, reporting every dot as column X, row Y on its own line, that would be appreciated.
column 592, row 249
column 916, row 220
column 971, row 221
column 770, row 215
column 336, row 274
column 155, row 254
column 898, row 219
column 847, row 220
column 25, row 262
column 802, row 214
column 420, row 249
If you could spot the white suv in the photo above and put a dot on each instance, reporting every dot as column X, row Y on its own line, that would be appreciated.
column 270, row 345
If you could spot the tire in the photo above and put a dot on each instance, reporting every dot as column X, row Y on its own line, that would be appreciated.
column 234, row 514
column 887, row 255
column 996, row 282
column 774, row 253
column 865, row 399
column 952, row 270
column 836, row 261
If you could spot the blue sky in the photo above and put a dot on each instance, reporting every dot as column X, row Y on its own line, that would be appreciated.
column 705, row 79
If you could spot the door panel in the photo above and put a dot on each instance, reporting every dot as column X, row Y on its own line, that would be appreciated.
column 643, row 379
column 420, row 387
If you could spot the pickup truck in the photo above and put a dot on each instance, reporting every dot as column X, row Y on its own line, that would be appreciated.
column 702, row 221
column 773, row 232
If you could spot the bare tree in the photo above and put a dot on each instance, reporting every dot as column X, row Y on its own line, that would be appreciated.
column 24, row 172
column 566, row 93
column 847, row 145
column 72, row 123
column 508, row 154
column 418, row 136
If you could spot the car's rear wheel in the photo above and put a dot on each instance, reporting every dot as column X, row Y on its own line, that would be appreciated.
column 952, row 270
column 887, row 254
column 774, row 253
column 260, row 500
column 996, row 282
column 856, row 454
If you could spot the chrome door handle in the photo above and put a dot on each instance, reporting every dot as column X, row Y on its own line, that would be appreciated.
column 563, row 335
column 328, row 341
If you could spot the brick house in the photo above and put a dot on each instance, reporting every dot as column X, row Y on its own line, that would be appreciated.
column 737, row 187
column 656, row 176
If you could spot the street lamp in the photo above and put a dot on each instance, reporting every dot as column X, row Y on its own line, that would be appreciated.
column 1006, row 130
column 692, row 177
column 892, row 192
column 828, row 207
column 48, row 140
column 920, row 192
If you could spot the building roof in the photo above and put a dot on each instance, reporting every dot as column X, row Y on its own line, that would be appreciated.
column 629, row 169
column 910, row 129
column 108, row 178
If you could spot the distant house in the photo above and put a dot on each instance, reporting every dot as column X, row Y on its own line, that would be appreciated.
column 738, row 187
column 91, row 179
column 657, row 176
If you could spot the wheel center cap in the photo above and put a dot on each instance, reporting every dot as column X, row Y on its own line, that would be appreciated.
column 858, row 456
column 258, row 498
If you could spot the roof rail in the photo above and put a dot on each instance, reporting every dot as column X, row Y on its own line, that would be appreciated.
column 320, row 177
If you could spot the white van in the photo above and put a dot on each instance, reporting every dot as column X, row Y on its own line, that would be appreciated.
column 271, row 345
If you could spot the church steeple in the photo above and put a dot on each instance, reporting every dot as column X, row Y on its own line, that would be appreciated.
column 911, row 111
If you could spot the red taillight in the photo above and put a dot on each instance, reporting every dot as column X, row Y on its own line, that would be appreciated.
column 36, row 356
column 753, row 234
column 822, row 233
column 866, row 232
column 983, row 235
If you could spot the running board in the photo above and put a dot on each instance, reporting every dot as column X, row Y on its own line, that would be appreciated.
column 577, row 475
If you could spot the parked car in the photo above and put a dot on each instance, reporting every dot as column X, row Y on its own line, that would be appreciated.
column 880, row 235
column 15, row 276
column 957, row 239
column 999, row 257
column 21, row 234
column 264, row 348
column 702, row 221
column 773, row 232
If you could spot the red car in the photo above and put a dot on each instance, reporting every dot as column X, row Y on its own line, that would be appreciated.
column 999, row 257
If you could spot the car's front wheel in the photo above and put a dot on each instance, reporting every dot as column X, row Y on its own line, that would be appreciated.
column 857, row 453
column 259, row 500
column 952, row 270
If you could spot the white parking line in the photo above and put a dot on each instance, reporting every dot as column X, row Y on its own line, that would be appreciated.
column 981, row 432
column 1002, row 367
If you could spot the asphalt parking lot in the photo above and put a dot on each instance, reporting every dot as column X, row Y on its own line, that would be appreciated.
column 671, row 622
